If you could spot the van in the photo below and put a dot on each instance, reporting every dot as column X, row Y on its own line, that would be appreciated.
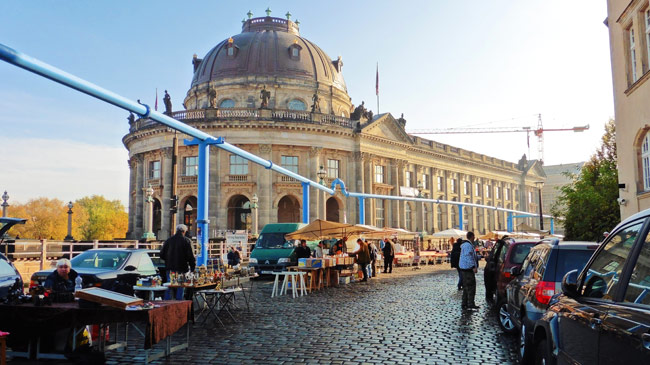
column 273, row 252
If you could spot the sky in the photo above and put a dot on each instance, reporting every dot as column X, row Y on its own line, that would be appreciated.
column 444, row 64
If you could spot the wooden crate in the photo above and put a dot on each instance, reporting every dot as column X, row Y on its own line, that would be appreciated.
column 107, row 297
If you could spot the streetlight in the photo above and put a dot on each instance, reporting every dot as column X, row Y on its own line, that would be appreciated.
column 5, row 197
column 540, row 184
column 69, row 236
column 148, row 235
column 321, row 173
column 254, row 201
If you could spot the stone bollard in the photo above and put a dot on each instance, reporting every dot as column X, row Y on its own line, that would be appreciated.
column 43, row 252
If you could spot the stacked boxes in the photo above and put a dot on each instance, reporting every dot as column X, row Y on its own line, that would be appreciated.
column 310, row 262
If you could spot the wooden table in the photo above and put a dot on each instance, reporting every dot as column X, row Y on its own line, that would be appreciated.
column 315, row 276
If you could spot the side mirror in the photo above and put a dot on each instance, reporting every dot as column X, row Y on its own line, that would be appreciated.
column 570, row 283
column 130, row 268
column 515, row 270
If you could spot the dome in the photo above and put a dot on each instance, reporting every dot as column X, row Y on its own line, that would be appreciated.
column 269, row 48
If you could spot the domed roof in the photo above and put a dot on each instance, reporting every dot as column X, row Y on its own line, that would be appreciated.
column 269, row 47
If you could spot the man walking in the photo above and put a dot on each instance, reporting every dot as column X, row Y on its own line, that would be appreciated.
column 363, row 258
column 178, row 256
column 389, row 255
column 455, row 258
column 468, row 266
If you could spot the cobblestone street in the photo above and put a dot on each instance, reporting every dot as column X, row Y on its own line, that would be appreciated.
column 409, row 316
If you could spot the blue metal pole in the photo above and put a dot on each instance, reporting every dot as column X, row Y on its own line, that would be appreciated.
column 460, row 216
column 305, row 202
column 202, row 220
column 510, row 222
column 552, row 226
column 362, row 210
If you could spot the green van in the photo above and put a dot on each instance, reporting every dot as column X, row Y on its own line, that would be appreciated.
column 272, row 251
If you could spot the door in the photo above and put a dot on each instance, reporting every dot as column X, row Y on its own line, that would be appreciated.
column 517, row 288
column 625, row 336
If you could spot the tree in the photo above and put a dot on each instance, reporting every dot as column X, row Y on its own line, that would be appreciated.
column 105, row 219
column 46, row 219
column 587, row 207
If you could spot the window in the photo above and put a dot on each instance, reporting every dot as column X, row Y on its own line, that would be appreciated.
column 441, row 183
column 294, row 51
column 154, row 169
column 632, row 54
column 466, row 187
column 425, row 218
column 454, row 217
column 507, row 193
column 231, row 48
column 379, row 213
column 498, row 190
column 238, row 165
column 639, row 286
column 408, row 216
column 296, row 104
column 333, row 169
column 290, row 163
column 454, row 188
column 409, row 179
column 6, row 269
column 645, row 159
column 379, row 174
column 530, row 197
column 231, row 51
column 439, row 221
column 477, row 189
column 227, row 103
column 191, row 166
column 604, row 272
column 425, row 181
column 488, row 190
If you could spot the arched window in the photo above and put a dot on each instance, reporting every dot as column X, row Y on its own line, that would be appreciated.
column 296, row 104
column 227, row 103
column 645, row 161
column 454, row 217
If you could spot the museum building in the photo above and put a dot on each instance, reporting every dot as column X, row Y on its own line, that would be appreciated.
column 277, row 95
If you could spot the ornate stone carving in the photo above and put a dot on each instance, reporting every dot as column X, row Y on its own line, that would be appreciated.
column 315, row 151
column 265, row 148
column 168, row 152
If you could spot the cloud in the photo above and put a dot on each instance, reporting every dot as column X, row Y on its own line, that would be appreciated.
column 63, row 169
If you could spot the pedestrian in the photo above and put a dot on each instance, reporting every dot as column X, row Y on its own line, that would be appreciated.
column 372, row 249
column 178, row 256
column 389, row 255
column 363, row 258
column 468, row 265
column 337, row 249
column 454, row 258
column 318, row 251
column 234, row 258
column 303, row 251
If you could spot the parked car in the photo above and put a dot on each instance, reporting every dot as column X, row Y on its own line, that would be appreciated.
column 603, row 313
column 538, row 279
column 273, row 252
column 11, row 283
column 158, row 262
column 101, row 267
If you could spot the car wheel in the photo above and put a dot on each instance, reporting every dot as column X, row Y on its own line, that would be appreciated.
column 542, row 355
column 505, row 320
column 524, row 344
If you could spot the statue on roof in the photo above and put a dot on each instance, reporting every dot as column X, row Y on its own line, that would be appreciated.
column 131, row 118
column 402, row 121
column 315, row 107
column 212, row 98
column 265, row 95
column 168, row 103
column 359, row 112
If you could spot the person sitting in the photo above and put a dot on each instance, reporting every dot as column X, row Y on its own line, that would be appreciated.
column 339, row 247
column 234, row 258
column 303, row 251
column 61, row 280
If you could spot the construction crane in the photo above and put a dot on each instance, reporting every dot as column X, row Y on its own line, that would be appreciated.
column 538, row 132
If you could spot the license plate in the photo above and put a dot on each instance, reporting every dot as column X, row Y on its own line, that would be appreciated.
column 266, row 272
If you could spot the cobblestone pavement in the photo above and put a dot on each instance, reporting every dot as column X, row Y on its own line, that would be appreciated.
column 409, row 316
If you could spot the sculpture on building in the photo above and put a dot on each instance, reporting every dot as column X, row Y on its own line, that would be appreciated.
column 265, row 95
column 315, row 107
column 168, row 103
column 212, row 98
column 359, row 112
column 131, row 118
column 402, row 121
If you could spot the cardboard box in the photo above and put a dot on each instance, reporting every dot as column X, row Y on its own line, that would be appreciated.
column 315, row 263
column 302, row 262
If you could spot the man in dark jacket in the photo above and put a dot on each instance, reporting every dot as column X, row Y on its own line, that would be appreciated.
column 455, row 257
column 389, row 255
column 178, row 256
column 302, row 251
column 363, row 258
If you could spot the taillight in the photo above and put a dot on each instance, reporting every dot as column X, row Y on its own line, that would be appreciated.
column 544, row 291
column 506, row 274
column 33, row 284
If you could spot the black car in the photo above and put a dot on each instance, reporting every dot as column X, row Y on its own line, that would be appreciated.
column 538, row 279
column 101, row 267
column 603, row 313
column 11, row 283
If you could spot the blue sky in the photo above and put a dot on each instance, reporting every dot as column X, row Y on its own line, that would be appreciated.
column 443, row 64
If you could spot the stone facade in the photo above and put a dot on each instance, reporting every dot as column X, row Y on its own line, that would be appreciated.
column 373, row 154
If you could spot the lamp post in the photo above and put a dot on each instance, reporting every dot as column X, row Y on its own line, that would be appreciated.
column 540, row 184
column 69, row 236
column 321, row 176
column 254, row 201
column 148, row 235
column 5, row 197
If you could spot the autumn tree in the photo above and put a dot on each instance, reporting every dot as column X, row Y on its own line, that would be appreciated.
column 104, row 219
column 46, row 219
column 587, row 206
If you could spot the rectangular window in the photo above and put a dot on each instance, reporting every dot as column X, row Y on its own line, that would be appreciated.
column 191, row 166
column 477, row 189
column 507, row 193
column 498, row 192
column 154, row 169
column 530, row 197
column 379, row 174
column 466, row 187
column 333, row 169
column 454, row 188
column 379, row 213
column 632, row 54
column 238, row 165
column 409, row 179
column 646, row 172
column 290, row 163
column 441, row 183
column 488, row 191
column 425, row 181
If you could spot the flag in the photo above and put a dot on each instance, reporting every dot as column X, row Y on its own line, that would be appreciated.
column 377, row 81
column 156, row 105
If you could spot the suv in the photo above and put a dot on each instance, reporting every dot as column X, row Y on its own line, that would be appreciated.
column 603, row 314
column 528, row 294
column 11, row 283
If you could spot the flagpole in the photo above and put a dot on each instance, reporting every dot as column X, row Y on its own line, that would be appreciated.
column 377, row 87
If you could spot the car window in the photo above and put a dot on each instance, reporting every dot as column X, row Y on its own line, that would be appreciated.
column 100, row 259
column 604, row 272
column 146, row 265
column 638, row 290
column 519, row 253
column 502, row 253
column 6, row 269
column 540, row 265
column 568, row 260
column 529, row 263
